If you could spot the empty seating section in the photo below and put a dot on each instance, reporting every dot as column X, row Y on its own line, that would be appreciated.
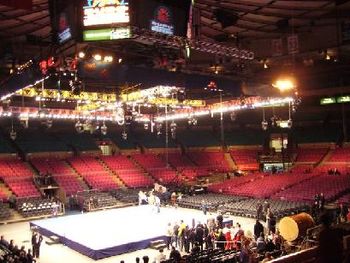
column 226, row 186
column 18, row 177
column 64, row 175
column 330, row 185
column 36, row 206
column 280, row 208
column 156, row 166
column 22, row 187
column 52, row 166
column 80, row 142
column 92, row 200
column 245, row 159
column 31, row 141
column 310, row 155
column 267, row 185
column 131, row 175
column 185, row 166
column 179, row 160
column 93, row 172
column 5, row 212
column 69, row 183
column 14, row 169
column 302, row 168
column 211, row 200
column 340, row 155
column 213, row 161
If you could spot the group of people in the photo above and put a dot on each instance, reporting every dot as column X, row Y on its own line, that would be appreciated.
column 14, row 254
column 216, row 234
column 151, row 199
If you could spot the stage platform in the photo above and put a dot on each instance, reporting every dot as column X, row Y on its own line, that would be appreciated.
column 113, row 232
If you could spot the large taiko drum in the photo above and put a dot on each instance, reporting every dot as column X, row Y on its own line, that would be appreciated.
column 293, row 227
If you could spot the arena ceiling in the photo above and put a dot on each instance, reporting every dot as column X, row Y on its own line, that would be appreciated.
column 249, row 24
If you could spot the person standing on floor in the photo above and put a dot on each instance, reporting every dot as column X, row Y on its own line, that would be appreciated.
column 36, row 245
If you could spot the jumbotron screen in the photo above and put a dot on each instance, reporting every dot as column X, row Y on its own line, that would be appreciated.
column 168, row 17
column 105, row 20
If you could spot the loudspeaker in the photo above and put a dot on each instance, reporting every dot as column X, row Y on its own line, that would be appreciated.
column 225, row 18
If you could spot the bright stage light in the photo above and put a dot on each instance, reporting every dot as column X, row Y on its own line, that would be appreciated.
column 108, row 59
column 284, row 84
column 97, row 57
column 81, row 54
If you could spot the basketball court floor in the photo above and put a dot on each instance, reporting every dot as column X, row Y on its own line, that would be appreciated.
column 100, row 231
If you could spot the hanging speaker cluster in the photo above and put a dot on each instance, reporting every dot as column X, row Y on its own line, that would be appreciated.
column 225, row 18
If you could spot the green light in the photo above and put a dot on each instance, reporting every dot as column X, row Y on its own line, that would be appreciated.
column 329, row 100
column 106, row 34
column 343, row 99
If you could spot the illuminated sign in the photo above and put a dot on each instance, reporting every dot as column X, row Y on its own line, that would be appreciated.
column 106, row 12
column 343, row 99
column 64, row 32
column 330, row 100
column 162, row 21
column 107, row 34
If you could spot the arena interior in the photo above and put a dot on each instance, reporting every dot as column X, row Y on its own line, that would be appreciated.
column 174, row 131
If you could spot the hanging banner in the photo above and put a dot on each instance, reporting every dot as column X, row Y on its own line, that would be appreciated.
column 20, row 4
column 277, row 49
column 293, row 44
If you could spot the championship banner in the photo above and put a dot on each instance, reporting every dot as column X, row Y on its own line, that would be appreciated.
column 20, row 4
column 293, row 44
column 277, row 49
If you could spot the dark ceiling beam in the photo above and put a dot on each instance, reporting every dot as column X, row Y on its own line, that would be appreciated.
column 243, row 18
column 23, row 21
column 11, row 9
column 20, row 13
column 246, row 27
column 276, row 5
column 256, row 11
column 33, row 22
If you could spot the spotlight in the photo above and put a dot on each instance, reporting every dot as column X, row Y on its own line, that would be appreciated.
column 264, row 125
column 124, row 135
column 145, row 126
column 290, row 123
column 194, row 121
column 79, row 127
column 13, row 135
column 104, row 129
column 81, row 54
column 97, row 57
column 108, row 59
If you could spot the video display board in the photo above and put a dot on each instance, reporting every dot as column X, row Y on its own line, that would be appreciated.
column 163, row 16
column 105, row 20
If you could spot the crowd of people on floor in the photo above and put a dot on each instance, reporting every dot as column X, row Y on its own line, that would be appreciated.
column 12, row 253
column 216, row 235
